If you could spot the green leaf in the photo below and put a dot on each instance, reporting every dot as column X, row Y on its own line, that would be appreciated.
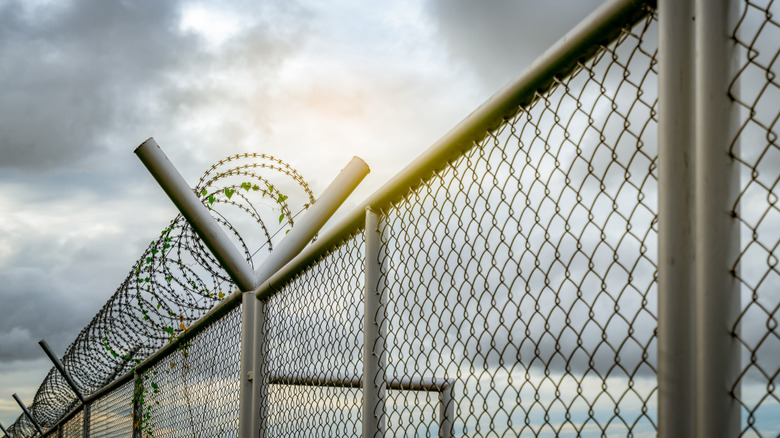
column 281, row 218
column 211, row 199
column 229, row 193
column 281, row 198
column 204, row 192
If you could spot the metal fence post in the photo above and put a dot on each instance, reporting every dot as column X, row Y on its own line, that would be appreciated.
column 137, row 405
column 28, row 414
column 676, row 267
column 246, row 410
column 5, row 432
column 57, row 364
column 446, row 410
column 86, row 413
column 717, row 234
column 374, row 382
column 261, row 378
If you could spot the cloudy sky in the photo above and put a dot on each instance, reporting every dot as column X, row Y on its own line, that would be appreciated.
column 313, row 83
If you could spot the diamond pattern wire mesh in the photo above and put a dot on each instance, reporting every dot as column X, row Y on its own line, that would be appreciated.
column 526, row 270
column 193, row 392
column 314, row 335
column 74, row 428
column 756, row 93
column 111, row 415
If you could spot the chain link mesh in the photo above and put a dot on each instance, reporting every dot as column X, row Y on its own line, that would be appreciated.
column 523, row 275
column 526, row 270
column 756, row 93
column 314, row 348
column 193, row 392
column 74, row 428
column 111, row 415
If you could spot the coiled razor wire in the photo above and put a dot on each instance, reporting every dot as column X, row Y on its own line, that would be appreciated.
column 176, row 280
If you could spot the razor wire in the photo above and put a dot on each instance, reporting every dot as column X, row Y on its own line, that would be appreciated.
column 755, row 91
column 176, row 280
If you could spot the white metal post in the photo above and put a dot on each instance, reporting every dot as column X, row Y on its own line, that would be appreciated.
column 374, row 385
column 245, row 397
column 196, row 214
column 676, row 267
column 717, row 238
column 261, row 377
column 323, row 208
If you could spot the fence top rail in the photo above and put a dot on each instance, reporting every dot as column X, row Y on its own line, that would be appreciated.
column 577, row 46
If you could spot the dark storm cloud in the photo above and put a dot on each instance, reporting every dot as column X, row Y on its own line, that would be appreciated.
column 498, row 39
column 82, row 72
column 68, row 77
column 34, row 308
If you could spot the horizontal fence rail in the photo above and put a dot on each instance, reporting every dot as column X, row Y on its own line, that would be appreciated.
column 506, row 283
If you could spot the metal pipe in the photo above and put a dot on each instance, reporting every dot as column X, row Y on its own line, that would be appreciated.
column 28, row 414
column 442, row 385
column 374, row 386
column 138, row 412
column 717, row 232
column 318, row 213
column 61, row 369
column 446, row 412
column 676, row 267
column 259, row 367
column 87, row 420
column 5, row 432
column 196, row 214
column 405, row 383
column 247, row 353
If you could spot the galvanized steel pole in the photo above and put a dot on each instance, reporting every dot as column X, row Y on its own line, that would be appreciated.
column 374, row 385
column 28, row 414
column 196, row 214
column 61, row 369
column 315, row 217
column 245, row 397
column 676, row 268
column 717, row 233
column 86, row 414
column 446, row 411
column 261, row 377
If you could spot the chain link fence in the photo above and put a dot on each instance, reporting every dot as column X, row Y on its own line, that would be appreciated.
column 517, row 291
column 314, row 349
column 756, row 93
column 193, row 392
column 525, row 271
